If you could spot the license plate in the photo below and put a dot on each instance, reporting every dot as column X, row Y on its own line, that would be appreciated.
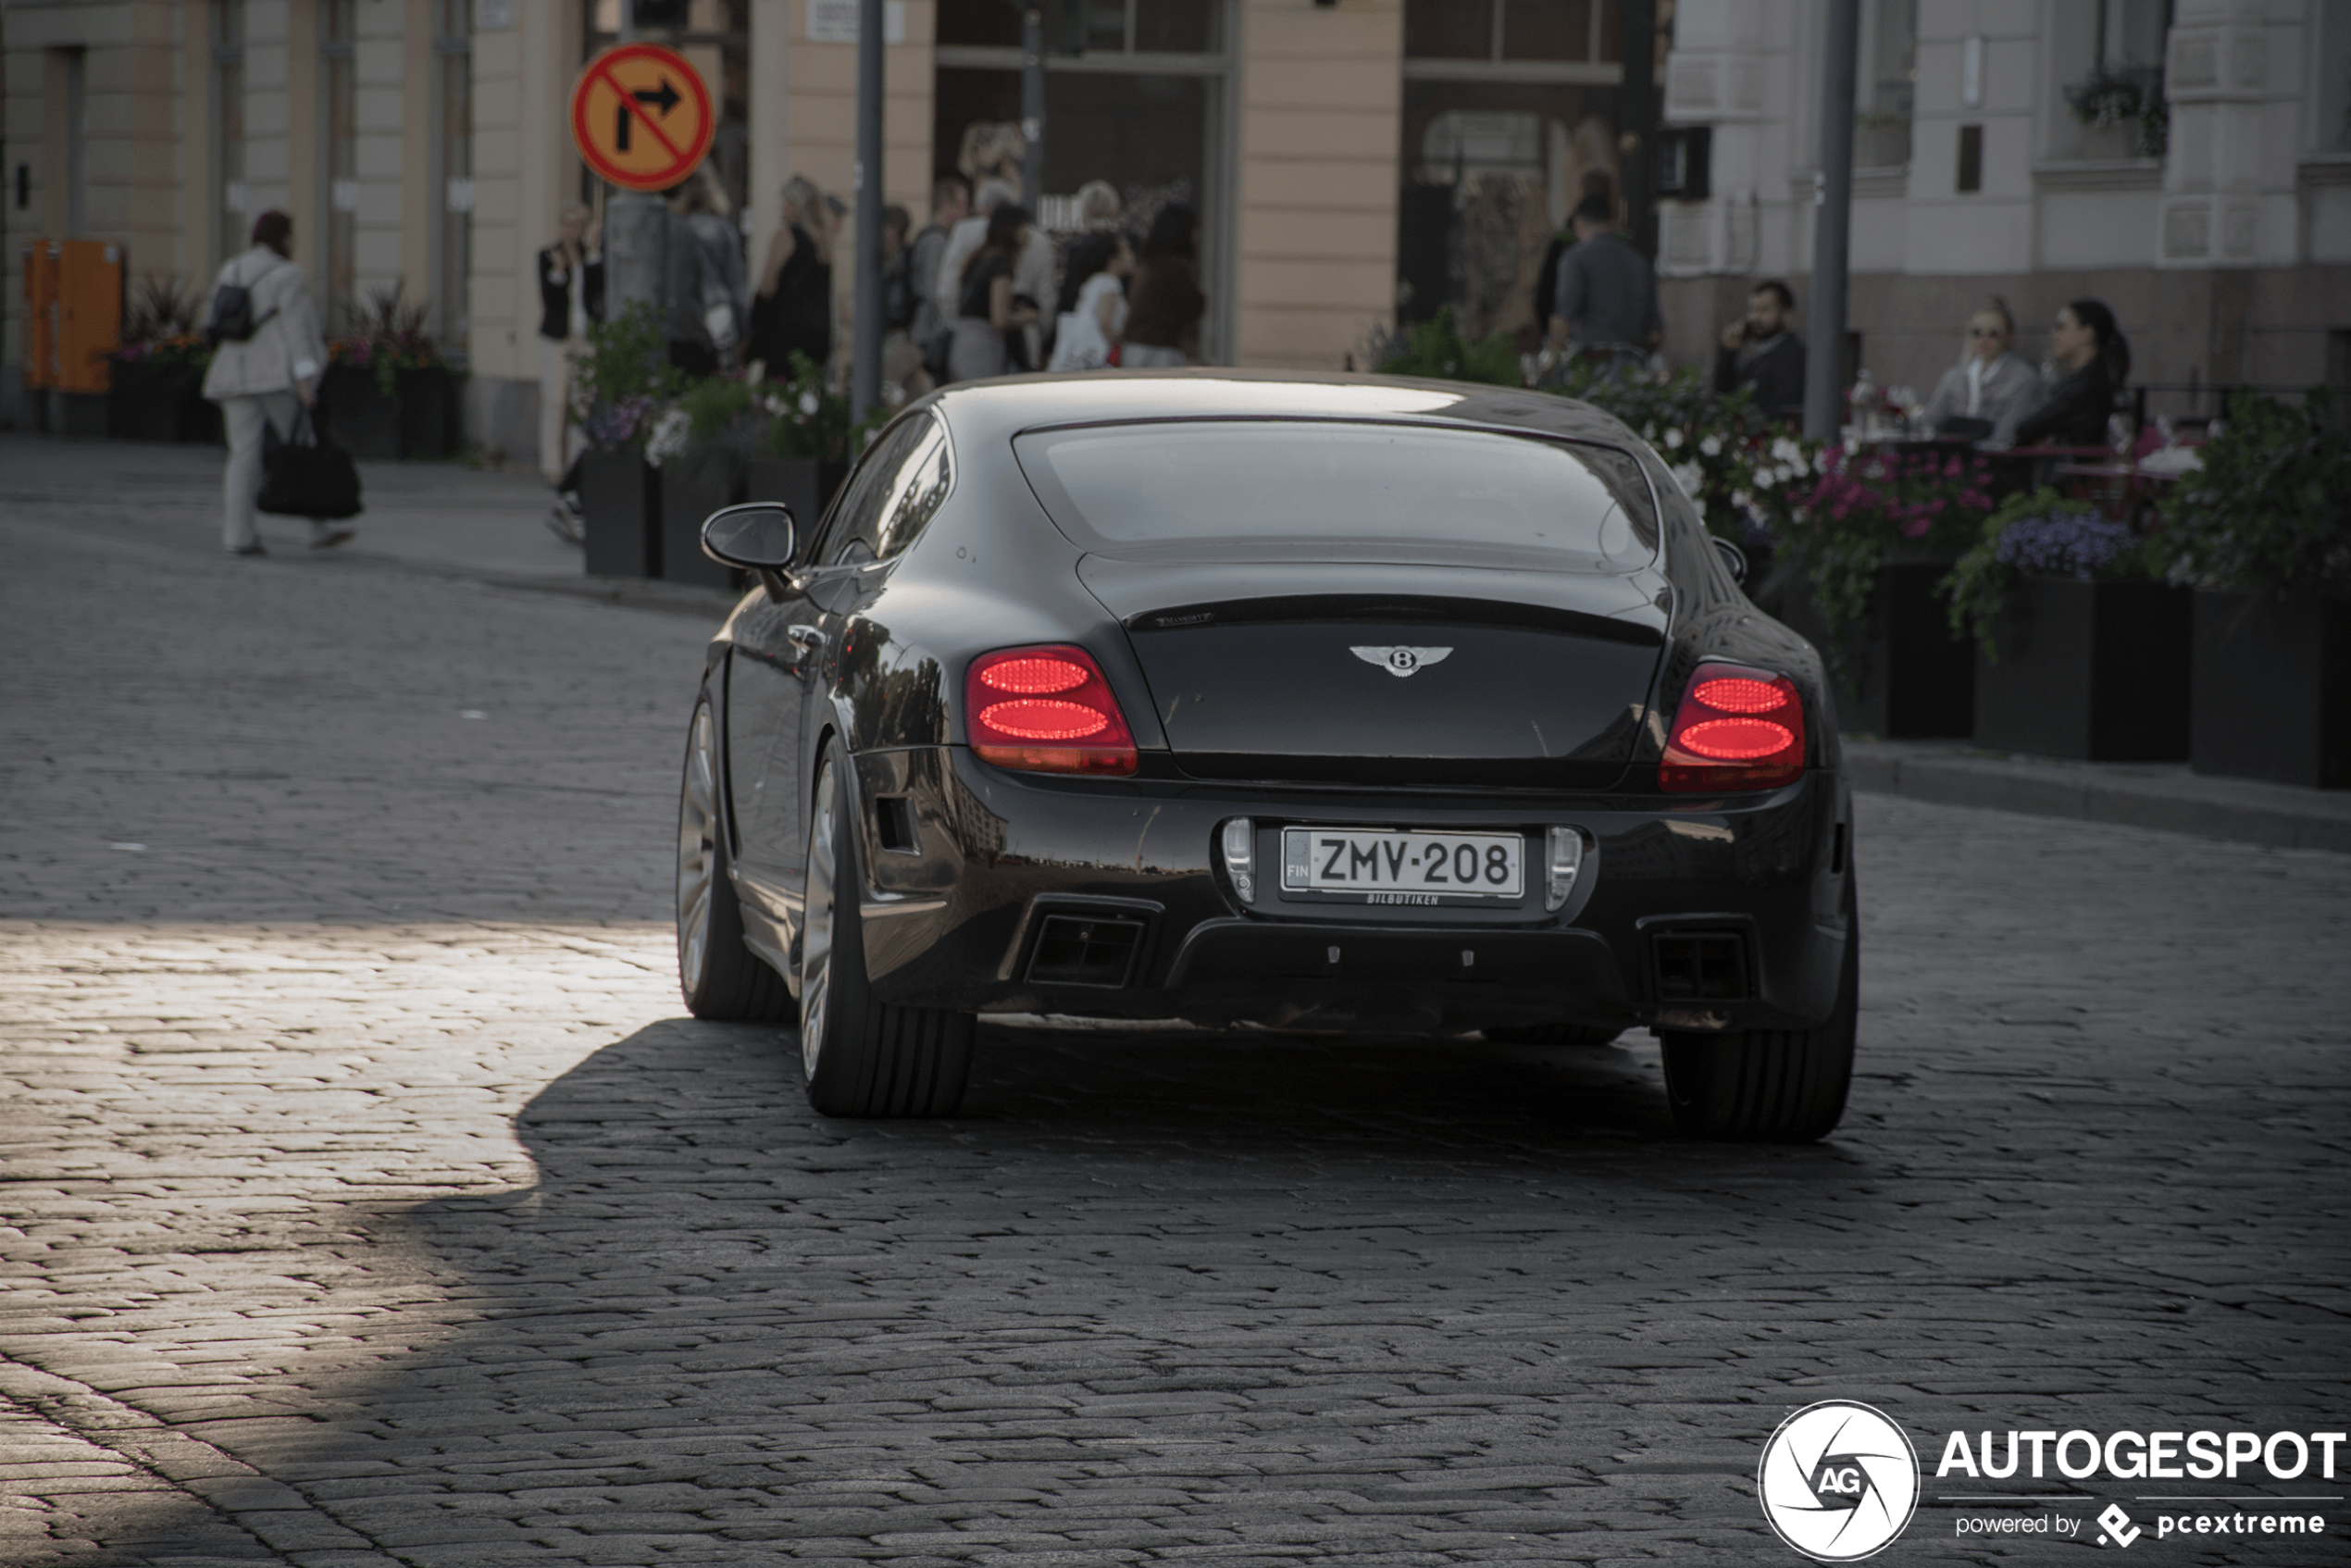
column 1394, row 867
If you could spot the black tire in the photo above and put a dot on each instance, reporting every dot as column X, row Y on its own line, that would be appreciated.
column 718, row 976
column 1771, row 1086
column 862, row 1057
column 1552, row 1034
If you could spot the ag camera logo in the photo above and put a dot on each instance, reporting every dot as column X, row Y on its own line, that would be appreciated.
column 1839, row 1481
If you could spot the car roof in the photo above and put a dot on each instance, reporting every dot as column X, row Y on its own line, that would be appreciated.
column 1001, row 408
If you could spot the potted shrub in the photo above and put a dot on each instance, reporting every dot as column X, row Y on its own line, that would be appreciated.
column 155, row 389
column 2261, row 531
column 2082, row 647
column 388, row 392
column 622, row 384
column 700, row 449
column 804, row 453
column 1874, row 539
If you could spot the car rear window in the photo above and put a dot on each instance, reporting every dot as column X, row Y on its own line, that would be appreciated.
column 1341, row 490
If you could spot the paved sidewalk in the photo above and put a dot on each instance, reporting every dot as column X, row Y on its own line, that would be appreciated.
column 449, row 520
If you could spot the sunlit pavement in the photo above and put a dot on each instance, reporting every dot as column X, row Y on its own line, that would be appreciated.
column 373, row 1200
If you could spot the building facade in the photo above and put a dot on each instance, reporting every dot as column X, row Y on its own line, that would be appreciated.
column 1358, row 164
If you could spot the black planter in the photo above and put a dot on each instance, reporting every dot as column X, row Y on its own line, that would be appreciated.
column 1904, row 677
column 622, row 500
column 362, row 420
column 2272, row 689
column 148, row 402
column 428, row 401
column 2092, row 671
column 691, row 489
column 804, row 484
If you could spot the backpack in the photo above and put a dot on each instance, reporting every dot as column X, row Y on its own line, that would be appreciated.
column 230, row 319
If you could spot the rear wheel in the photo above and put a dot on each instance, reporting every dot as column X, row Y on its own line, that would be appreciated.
column 718, row 976
column 863, row 1057
column 1779, row 1086
column 1552, row 1034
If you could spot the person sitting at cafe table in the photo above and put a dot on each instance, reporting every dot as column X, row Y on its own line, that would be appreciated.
column 1761, row 352
column 1990, row 389
column 2089, row 347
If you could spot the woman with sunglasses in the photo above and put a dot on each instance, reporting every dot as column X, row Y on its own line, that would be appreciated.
column 1990, row 389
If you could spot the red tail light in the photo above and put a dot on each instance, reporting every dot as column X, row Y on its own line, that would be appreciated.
column 1737, row 729
column 1045, row 710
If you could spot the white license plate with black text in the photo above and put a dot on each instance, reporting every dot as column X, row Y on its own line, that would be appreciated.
column 1396, row 867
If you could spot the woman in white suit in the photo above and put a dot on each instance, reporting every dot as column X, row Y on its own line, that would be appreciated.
column 264, row 381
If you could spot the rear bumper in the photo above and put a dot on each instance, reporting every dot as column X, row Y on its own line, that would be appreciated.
column 994, row 892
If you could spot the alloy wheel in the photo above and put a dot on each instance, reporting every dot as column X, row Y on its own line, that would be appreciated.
column 697, row 849
column 817, row 935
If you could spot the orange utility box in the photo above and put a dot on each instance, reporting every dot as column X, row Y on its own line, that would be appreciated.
column 89, row 314
column 41, row 259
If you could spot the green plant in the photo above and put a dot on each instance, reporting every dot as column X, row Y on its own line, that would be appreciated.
column 623, row 378
column 2134, row 93
column 2269, row 508
column 388, row 336
column 1435, row 348
column 805, row 421
column 1747, row 475
column 2039, row 533
column 1867, row 504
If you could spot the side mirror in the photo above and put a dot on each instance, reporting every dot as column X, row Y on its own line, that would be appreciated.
column 1733, row 556
column 758, row 537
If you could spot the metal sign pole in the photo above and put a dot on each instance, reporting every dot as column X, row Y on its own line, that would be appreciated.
column 864, row 359
column 636, row 228
column 1032, row 108
column 1833, row 225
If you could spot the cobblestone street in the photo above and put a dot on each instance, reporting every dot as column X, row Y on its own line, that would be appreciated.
column 372, row 1199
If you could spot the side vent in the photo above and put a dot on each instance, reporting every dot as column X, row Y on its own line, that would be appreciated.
column 1086, row 950
column 1700, row 967
column 894, row 825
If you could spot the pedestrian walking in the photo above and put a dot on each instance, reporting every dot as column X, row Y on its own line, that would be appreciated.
column 266, row 366
column 1763, row 355
column 1605, row 305
column 933, row 325
column 1165, row 304
column 965, row 238
column 989, row 313
column 793, row 311
column 1597, row 183
column 702, row 277
column 1983, row 397
column 571, row 299
column 1091, row 323
column 2088, row 348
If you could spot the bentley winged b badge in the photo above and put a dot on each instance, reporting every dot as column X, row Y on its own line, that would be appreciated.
column 1401, row 660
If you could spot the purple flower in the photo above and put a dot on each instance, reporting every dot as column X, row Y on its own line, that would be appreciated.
column 2071, row 543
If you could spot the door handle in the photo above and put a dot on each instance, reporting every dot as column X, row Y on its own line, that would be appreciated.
column 807, row 638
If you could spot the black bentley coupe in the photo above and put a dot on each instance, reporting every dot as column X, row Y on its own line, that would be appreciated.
column 1327, row 702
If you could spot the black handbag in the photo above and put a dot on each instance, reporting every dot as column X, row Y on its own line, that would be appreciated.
column 305, row 475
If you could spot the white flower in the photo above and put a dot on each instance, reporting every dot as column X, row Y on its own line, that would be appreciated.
column 1673, row 440
column 1786, row 451
column 1690, row 477
column 1765, row 478
column 1740, row 499
column 756, row 373
column 808, row 403
column 1649, row 433
column 1712, row 446
column 668, row 437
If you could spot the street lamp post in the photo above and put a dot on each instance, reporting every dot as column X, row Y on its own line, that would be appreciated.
column 1833, row 224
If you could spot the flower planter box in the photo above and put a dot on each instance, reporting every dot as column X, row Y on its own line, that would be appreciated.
column 2097, row 671
column 1906, row 677
column 691, row 489
column 621, row 499
column 2272, row 689
column 362, row 420
column 804, row 484
column 160, row 402
column 426, row 401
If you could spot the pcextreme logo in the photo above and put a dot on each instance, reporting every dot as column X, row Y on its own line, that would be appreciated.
column 1839, row 1481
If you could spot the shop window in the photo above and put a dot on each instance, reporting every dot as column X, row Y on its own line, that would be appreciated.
column 2333, row 125
column 339, row 107
column 230, row 218
column 1881, row 128
column 1561, row 30
column 2106, row 79
column 454, row 166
